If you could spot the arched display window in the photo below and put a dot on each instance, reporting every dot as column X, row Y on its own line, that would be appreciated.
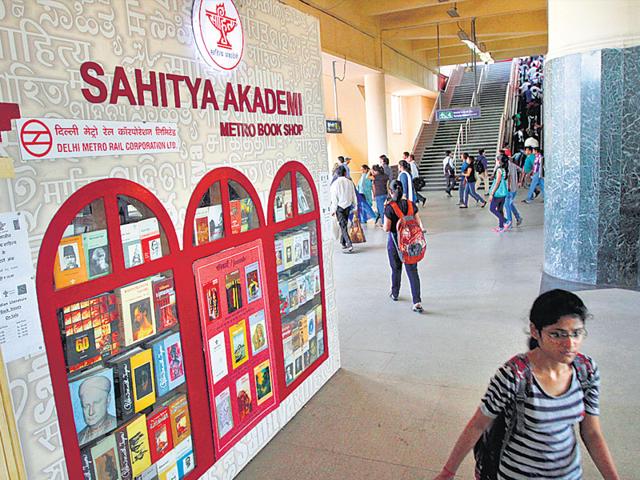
column 301, row 329
column 224, row 244
column 114, row 320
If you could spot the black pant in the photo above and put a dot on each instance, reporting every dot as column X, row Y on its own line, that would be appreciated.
column 396, row 272
column 342, row 214
column 451, row 183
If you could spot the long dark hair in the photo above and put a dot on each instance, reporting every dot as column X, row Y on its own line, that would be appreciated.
column 549, row 307
column 395, row 190
column 504, row 163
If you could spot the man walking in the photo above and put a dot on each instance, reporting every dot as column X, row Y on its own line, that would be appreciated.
column 343, row 200
column 481, row 166
column 463, row 180
column 418, row 183
column 449, row 170
column 538, row 175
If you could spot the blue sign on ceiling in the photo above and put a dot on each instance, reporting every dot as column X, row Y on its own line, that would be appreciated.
column 457, row 114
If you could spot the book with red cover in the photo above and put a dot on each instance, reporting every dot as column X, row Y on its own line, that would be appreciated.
column 164, row 300
column 150, row 239
column 160, row 437
column 235, row 209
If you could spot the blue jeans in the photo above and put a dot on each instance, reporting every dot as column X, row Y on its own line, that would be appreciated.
column 470, row 189
column 396, row 272
column 380, row 206
column 535, row 181
column 462, row 188
column 510, row 207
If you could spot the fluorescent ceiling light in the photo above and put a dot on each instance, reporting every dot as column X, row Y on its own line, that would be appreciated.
column 453, row 12
column 462, row 35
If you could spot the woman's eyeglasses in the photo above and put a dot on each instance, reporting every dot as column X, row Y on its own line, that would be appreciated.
column 560, row 335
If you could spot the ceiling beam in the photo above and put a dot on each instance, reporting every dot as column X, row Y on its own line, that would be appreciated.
column 467, row 10
column 507, row 26
column 383, row 7
column 489, row 44
column 497, row 56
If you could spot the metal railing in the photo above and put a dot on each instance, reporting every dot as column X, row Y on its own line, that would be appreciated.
column 463, row 132
column 510, row 104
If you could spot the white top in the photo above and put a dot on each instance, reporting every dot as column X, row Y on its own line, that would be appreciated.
column 447, row 160
column 531, row 142
column 415, row 172
column 343, row 194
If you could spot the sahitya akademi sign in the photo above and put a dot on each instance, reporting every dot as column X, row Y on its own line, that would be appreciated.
column 161, row 89
column 218, row 32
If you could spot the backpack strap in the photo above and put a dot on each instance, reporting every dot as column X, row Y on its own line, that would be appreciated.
column 521, row 369
column 584, row 370
column 410, row 208
column 396, row 209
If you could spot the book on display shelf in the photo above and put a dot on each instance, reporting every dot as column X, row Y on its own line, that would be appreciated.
column 320, row 342
column 303, row 203
column 150, row 239
column 233, row 287
column 218, row 357
column 246, row 214
column 180, row 420
column 150, row 473
column 184, row 457
column 93, row 403
column 279, row 246
column 302, row 289
column 124, row 457
column 278, row 207
column 258, row 332
column 131, row 245
column 253, row 284
column 164, row 300
column 317, row 286
column 297, row 249
column 306, row 246
column 287, row 199
column 201, row 225
column 167, row 362
column 87, row 464
column 211, row 291
column 70, row 267
column 139, row 451
column 106, row 463
column 288, row 252
column 167, row 467
column 144, row 392
column 235, row 212
column 238, row 341
column 97, row 256
column 224, row 415
column 137, row 315
column 283, row 296
column 159, row 431
column 216, row 225
column 243, row 397
column 262, row 374
column 293, row 294
column 123, row 381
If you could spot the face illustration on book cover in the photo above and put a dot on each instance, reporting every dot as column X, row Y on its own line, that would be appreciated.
column 288, row 254
column 155, row 251
column 243, row 392
column 234, row 291
column 288, row 369
column 254, row 290
column 68, row 256
column 279, row 257
column 305, row 248
column 135, row 254
column 142, row 326
column 144, row 385
column 176, row 367
column 98, row 261
column 263, row 382
column 212, row 295
column 258, row 332
column 93, row 401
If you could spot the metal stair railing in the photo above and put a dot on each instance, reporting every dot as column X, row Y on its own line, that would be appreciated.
column 463, row 132
column 510, row 104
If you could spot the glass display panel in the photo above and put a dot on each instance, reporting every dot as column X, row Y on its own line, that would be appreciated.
column 208, row 223
column 244, row 216
column 83, row 253
column 283, row 203
column 143, row 239
column 305, row 195
column 300, row 298
column 126, row 378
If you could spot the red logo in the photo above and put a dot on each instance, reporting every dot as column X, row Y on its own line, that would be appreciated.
column 218, row 33
column 36, row 138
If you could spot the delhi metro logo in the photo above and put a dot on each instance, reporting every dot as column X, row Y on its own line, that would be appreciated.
column 218, row 33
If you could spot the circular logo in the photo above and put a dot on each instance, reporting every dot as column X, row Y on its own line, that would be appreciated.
column 218, row 32
column 36, row 138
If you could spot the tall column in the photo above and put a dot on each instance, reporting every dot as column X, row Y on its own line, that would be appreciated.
column 376, row 114
column 592, row 143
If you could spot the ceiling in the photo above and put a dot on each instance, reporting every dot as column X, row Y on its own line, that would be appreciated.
column 505, row 28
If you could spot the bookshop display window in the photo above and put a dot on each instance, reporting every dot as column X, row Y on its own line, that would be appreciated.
column 113, row 340
column 283, row 203
column 235, row 311
column 298, row 260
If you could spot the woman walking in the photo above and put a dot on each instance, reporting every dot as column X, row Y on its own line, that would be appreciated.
column 470, row 189
column 499, row 192
column 380, row 185
column 514, row 171
column 540, row 397
column 390, row 225
column 364, row 194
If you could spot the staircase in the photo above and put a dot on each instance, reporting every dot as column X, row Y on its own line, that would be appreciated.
column 484, row 132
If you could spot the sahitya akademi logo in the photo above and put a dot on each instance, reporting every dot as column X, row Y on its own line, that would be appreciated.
column 218, row 32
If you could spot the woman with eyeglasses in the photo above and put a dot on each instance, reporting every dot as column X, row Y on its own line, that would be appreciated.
column 524, row 427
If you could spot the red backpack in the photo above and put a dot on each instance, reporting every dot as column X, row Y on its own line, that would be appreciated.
column 411, row 244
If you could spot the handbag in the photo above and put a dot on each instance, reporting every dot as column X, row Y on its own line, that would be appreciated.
column 356, row 234
column 502, row 189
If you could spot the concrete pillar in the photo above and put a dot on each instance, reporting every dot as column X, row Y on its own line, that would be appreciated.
column 591, row 144
column 376, row 114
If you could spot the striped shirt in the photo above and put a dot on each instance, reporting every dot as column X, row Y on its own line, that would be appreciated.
column 546, row 446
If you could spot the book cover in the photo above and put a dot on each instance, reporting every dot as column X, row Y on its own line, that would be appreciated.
column 105, row 458
column 238, row 338
column 246, row 212
column 122, row 445
column 160, row 366
column 164, row 300
column 303, row 203
column 235, row 211
column 317, row 286
column 288, row 252
column 306, row 245
column 233, row 288
column 87, row 464
column 211, row 291
column 173, row 349
column 93, row 404
column 144, row 392
column 167, row 467
column 131, row 245
column 70, row 267
column 97, row 255
column 137, row 316
column 150, row 239
column 123, row 379
column 311, row 323
column 303, row 330
column 218, row 357
column 283, row 296
column 313, row 241
column 258, row 331
column 184, row 457
column 224, row 415
column 216, row 224
column 313, row 348
column 201, row 225
column 159, row 431
column 293, row 294
column 243, row 397
column 287, row 199
column 306, row 356
column 308, row 278
column 297, row 249
column 278, row 206
column 138, row 445
column 302, row 289
column 287, row 347
column 320, row 342
column 263, row 382
column 150, row 473
column 253, row 284
column 319, row 325
column 297, row 364
column 180, row 420
column 279, row 246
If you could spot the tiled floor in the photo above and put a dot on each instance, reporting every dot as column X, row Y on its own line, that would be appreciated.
column 410, row 382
